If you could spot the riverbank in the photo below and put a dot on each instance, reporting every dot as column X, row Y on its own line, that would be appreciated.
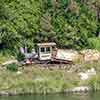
column 40, row 79
column 78, row 96
column 33, row 79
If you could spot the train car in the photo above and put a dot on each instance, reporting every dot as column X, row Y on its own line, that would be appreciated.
column 48, row 53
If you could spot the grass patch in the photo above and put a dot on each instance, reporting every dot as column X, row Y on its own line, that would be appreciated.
column 37, row 80
column 5, row 57
column 12, row 67
column 94, row 82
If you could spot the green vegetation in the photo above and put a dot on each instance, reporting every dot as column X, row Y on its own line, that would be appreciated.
column 94, row 83
column 94, row 43
column 69, row 23
column 12, row 67
column 5, row 56
column 33, row 79
column 20, row 56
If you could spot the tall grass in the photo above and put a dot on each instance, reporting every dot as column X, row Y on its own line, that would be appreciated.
column 37, row 80
column 6, row 55
column 94, row 82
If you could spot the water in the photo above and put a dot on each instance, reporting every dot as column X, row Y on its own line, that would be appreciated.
column 86, row 96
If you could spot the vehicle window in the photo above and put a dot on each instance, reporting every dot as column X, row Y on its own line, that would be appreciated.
column 48, row 49
column 53, row 47
column 42, row 49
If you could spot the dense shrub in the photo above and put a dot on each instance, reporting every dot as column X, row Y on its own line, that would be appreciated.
column 69, row 23
column 20, row 56
column 12, row 67
column 94, row 43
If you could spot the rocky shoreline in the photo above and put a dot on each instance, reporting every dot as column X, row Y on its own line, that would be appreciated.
column 81, row 89
column 43, row 79
column 78, row 89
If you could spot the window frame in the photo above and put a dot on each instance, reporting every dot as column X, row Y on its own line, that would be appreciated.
column 42, row 50
column 45, row 49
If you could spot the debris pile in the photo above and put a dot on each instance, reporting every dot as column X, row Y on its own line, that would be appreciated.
column 70, row 55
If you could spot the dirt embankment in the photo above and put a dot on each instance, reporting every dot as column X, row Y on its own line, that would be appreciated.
column 87, row 55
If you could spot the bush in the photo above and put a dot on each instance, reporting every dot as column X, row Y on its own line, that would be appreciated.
column 6, row 55
column 94, row 43
column 20, row 56
column 12, row 67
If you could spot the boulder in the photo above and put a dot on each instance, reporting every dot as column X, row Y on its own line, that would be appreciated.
column 90, row 55
column 9, row 62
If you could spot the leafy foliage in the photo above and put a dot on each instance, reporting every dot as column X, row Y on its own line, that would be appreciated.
column 12, row 67
column 69, row 23
column 94, row 43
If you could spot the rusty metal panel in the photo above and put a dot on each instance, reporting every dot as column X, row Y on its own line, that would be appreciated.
column 64, row 54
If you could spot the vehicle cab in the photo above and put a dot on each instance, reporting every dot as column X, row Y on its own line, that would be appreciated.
column 45, row 50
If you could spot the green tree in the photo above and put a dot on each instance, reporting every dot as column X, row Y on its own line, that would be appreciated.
column 69, row 23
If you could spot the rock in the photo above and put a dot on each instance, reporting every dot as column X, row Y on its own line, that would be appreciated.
column 78, row 89
column 4, row 93
column 83, row 76
column 9, row 62
column 86, row 55
column 91, row 55
column 19, row 72
column 91, row 71
column 87, row 74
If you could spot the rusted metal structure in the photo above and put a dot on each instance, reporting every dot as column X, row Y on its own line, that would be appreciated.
column 48, row 53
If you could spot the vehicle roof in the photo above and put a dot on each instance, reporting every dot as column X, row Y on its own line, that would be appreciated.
column 47, row 44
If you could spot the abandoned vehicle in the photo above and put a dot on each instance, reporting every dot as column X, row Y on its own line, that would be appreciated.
column 46, row 53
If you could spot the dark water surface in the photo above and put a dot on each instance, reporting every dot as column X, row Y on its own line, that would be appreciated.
column 81, row 96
